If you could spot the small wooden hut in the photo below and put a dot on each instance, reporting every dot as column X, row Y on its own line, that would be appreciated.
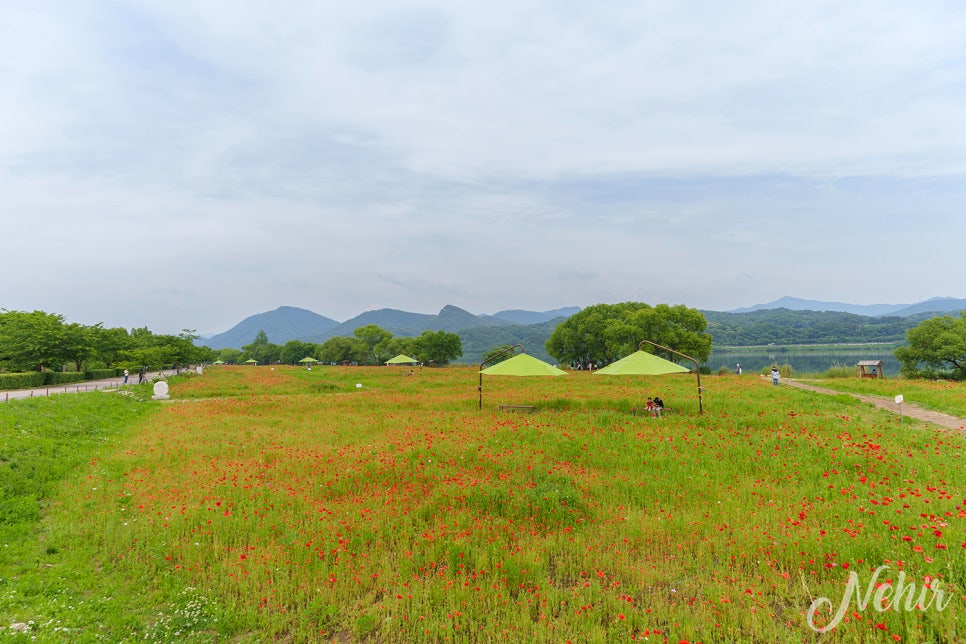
column 870, row 369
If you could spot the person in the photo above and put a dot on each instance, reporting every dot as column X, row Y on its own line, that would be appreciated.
column 141, row 374
column 775, row 375
column 650, row 406
column 658, row 406
column 126, row 374
column 738, row 370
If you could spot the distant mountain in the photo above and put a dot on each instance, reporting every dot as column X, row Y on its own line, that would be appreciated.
column 450, row 319
column 516, row 316
column 796, row 304
column 289, row 323
column 934, row 305
column 281, row 325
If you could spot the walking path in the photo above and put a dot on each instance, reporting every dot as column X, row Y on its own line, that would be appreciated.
column 910, row 410
column 77, row 387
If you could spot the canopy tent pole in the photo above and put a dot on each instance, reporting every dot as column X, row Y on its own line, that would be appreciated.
column 697, row 368
column 490, row 359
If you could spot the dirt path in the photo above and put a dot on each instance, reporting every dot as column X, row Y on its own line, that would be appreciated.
column 910, row 410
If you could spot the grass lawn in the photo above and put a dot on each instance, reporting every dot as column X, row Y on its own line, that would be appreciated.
column 361, row 504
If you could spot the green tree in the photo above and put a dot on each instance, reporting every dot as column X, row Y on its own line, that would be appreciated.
column 261, row 349
column 395, row 346
column 489, row 355
column 294, row 350
column 373, row 335
column 229, row 355
column 34, row 341
column 604, row 333
column 159, row 351
column 438, row 347
column 110, row 344
column 343, row 349
column 937, row 348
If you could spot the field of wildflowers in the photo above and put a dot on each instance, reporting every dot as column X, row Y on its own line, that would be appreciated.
column 361, row 504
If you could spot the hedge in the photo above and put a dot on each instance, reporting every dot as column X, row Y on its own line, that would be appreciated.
column 102, row 374
column 21, row 380
column 62, row 377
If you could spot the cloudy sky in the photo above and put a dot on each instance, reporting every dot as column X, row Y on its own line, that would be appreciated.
column 176, row 164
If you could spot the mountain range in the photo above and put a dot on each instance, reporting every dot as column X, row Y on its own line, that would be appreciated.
column 531, row 328
column 932, row 305
column 290, row 323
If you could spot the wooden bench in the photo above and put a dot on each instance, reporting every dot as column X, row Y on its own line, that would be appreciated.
column 523, row 409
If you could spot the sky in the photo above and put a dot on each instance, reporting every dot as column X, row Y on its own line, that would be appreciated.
column 184, row 165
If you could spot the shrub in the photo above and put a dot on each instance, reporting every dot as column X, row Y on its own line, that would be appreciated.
column 62, row 377
column 21, row 380
column 100, row 374
column 839, row 371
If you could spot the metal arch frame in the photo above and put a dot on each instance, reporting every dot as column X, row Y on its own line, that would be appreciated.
column 490, row 359
column 697, row 367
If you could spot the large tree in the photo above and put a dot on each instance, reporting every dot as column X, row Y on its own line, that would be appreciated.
column 438, row 347
column 374, row 336
column 261, row 349
column 37, row 340
column 343, row 349
column 295, row 350
column 604, row 333
column 937, row 348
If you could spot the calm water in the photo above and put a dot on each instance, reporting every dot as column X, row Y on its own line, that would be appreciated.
column 802, row 361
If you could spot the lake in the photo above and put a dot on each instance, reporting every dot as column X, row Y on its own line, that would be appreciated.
column 803, row 359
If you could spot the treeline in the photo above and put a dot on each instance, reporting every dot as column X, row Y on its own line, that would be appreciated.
column 369, row 345
column 784, row 326
column 478, row 342
column 44, row 343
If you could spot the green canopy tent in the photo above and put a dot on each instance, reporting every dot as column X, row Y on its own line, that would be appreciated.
column 251, row 361
column 218, row 362
column 402, row 359
column 519, row 365
column 643, row 363
column 308, row 360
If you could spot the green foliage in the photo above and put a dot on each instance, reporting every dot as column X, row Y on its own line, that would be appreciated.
column 62, row 377
column 604, row 333
column 439, row 347
column 262, row 350
column 33, row 341
column 295, row 350
column 395, row 346
column 343, row 349
column 839, row 371
column 490, row 359
column 21, row 380
column 101, row 374
column 783, row 326
column 228, row 355
column 477, row 342
column 936, row 349
column 785, row 370
column 373, row 336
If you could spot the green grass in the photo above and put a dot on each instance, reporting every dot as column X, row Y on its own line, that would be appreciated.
column 293, row 505
column 939, row 395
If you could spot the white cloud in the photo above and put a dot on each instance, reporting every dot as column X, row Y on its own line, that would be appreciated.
column 509, row 155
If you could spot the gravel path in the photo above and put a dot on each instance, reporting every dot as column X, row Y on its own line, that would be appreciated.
column 908, row 409
column 77, row 387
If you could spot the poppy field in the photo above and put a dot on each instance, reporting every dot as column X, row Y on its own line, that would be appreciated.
column 366, row 504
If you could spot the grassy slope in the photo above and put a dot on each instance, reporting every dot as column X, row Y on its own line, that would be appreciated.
column 293, row 504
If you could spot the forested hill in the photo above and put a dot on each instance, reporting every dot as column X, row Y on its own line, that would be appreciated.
column 784, row 326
